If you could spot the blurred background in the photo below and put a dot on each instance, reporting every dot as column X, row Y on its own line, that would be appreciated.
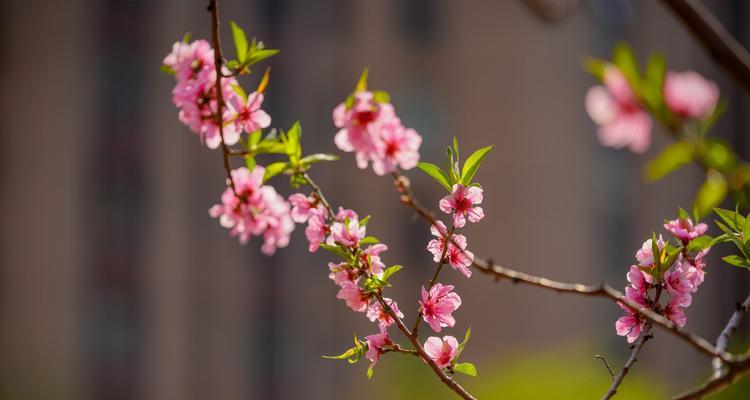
column 116, row 284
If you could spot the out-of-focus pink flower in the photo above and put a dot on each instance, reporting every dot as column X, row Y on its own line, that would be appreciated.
column 341, row 273
column 375, row 344
column 255, row 210
column 614, row 107
column 690, row 95
column 462, row 203
column 304, row 206
column 397, row 146
column 442, row 351
column 376, row 312
column 249, row 117
column 457, row 256
column 675, row 313
column 645, row 255
column 345, row 213
column 347, row 233
column 317, row 230
column 353, row 296
column 438, row 305
column 683, row 229
column 359, row 126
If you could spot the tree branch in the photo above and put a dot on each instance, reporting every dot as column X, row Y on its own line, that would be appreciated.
column 646, row 335
column 735, row 371
column 714, row 38
column 723, row 340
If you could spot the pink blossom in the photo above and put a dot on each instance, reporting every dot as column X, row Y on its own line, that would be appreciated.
column 250, row 117
column 255, row 210
column 355, row 298
column 347, row 233
column 683, row 229
column 376, row 312
column 341, row 273
column 195, row 94
column 462, row 203
column 690, row 95
column 457, row 256
column 629, row 325
column 345, row 213
column 638, row 279
column 438, row 305
column 645, row 255
column 614, row 107
column 317, row 230
column 371, row 258
column 679, row 283
column 304, row 206
column 699, row 262
column 375, row 344
column 675, row 313
column 441, row 351
column 397, row 147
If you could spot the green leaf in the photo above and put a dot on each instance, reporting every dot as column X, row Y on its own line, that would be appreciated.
column 670, row 159
column 274, row 169
column 710, row 121
column 472, row 164
column 719, row 156
column 351, row 352
column 349, row 101
column 240, row 91
column 240, row 41
column 369, row 240
column 700, row 243
column 390, row 271
column 436, row 173
column 733, row 219
column 463, row 344
column 380, row 96
column 336, row 250
column 271, row 147
column 595, row 67
column 294, row 147
column 655, row 69
column 625, row 60
column 737, row 261
column 652, row 89
column 186, row 37
column 362, row 83
column 254, row 137
column 682, row 213
column 313, row 158
column 364, row 221
column 259, row 55
column 250, row 162
column 711, row 193
column 370, row 371
column 167, row 69
column 466, row 369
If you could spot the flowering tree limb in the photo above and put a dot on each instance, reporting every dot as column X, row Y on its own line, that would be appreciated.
column 628, row 364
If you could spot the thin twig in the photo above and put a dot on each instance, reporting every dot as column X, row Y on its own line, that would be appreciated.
column 714, row 37
column 431, row 282
column 213, row 7
column 415, row 342
column 646, row 335
column 606, row 365
column 727, row 332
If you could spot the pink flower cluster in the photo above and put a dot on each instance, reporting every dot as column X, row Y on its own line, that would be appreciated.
column 679, row 281
column 615, row 108
column 254, row 210
column 456, row 255
column 195, row 95
column 622, row 120
column 373, row 131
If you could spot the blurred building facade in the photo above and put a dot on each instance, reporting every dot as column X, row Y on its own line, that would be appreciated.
column 117, row 285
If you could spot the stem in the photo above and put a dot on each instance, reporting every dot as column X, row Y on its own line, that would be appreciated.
column 431, row 282
column 415, row 342
column 213, row 7
column 319, row 193
column 645, row 336
column 723, row 340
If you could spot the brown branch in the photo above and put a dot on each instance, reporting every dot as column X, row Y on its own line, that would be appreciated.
column 606, row 365
column 646, row 335
column 453, row 385
column 723, row 340
column 601, row 290
column 734, row 372
column 715, row 39
column 213, row 7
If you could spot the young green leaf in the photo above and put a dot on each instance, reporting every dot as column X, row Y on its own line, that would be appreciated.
column 362, row 83
column 264, row 81
column 733, row 219
column 682, row 213
column 240, row 91
column 472, row 164
column 737, row 261
column 370, row 371
column 369, row 240
column 463, row 344
column 380, row 96
column 313, row 158
column 259, row 55
column 336, row 250
column 595, row 67
column 250, row 162
column 390, row 271
column 670, row 159
column 436, row 173
column 711, row 193
column 274, row 169
column 294, row 147
column 187, row 37
column 254, row 138
column 349, row 353
column 466, row 368
column 364, row 221
column 719, row 155
column 626, row 62
column 167, row 69
column 240, row 41
column 700, row 243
